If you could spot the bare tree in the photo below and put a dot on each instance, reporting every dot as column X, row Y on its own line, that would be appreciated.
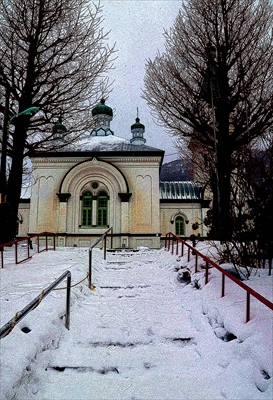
column 53, row 57
column 214, row 84
column 251, row 241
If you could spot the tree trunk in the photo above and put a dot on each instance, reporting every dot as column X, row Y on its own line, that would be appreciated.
column 225, row 212
column 10, row 210
column 223, row 146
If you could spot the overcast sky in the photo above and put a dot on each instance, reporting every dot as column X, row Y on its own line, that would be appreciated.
column 137, row 28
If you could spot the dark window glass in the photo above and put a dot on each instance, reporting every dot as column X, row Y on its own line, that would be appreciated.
column 87, row 209
column 179, row 226
column 102, row 204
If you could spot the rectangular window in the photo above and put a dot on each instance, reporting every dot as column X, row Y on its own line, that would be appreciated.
column 87, row 209
column 87, row 217
column 102, row 202
column 102, row 217
column 87, row 202
column 102, row 210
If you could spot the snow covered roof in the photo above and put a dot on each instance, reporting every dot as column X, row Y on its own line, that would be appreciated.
column 183, row 190
column 98, row 144
column 90, row 143
column 109, row 143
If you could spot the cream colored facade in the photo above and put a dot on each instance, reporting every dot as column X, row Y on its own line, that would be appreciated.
column 190, row 212
column 138, row 208
column 133, row 206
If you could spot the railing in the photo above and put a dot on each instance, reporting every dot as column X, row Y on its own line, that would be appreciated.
column 90, row 253
column 29, row 246
column 8, row 327
column 170, row 237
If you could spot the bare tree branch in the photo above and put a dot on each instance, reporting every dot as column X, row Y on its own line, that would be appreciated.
column 53, row 55
column 214, row 83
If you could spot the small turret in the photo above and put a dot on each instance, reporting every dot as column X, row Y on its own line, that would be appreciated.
column 59, row 130
column 137, row 130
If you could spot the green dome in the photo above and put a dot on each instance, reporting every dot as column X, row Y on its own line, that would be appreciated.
column 102, row 109
column 59, row 127
column 137, row 125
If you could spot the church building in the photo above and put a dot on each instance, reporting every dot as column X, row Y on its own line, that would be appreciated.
column 106, row 181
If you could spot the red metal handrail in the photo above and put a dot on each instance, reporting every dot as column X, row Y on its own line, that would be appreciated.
column 29, row 243
column 171, row 237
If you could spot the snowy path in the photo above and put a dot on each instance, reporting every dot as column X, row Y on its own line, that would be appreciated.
column 139, row 335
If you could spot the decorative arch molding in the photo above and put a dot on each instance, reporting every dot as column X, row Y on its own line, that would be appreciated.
column 179, row 214
column 79, row 177
column 85, row 171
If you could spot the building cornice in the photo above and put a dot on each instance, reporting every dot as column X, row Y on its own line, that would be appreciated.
column 49, row 160
column 99, row 154
column 128, row 160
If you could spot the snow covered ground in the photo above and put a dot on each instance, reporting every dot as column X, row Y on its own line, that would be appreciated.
column 141, row 334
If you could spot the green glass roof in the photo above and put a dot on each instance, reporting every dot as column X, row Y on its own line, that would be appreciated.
column 180, row 190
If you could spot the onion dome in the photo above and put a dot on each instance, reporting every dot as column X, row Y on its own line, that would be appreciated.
column 138, row 125
column 102, row 109
column 137, row 130
column 102, row 115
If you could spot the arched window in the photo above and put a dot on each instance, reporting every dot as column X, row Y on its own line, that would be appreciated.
column 87, row 209
column 179, row 226
column 102, row 209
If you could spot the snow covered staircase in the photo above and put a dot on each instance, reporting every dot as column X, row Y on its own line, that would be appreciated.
column 128, row 338
column 140, row 334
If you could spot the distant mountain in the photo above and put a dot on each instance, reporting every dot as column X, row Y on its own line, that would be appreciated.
column 177, row 170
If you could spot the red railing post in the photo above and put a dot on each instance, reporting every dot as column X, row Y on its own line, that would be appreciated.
column 196, row 261
column 247, row 306
column 223, row 285
column 177, row 244
column 28, row 245
column 207, row 273
column 167, row 239
column 224, row 273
